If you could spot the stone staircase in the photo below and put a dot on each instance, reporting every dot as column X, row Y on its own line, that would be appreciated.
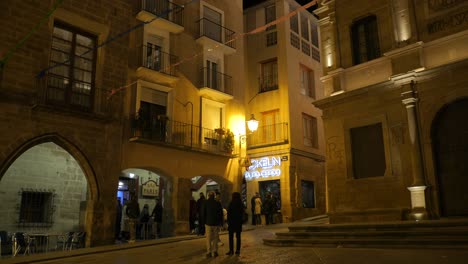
column 404, row 234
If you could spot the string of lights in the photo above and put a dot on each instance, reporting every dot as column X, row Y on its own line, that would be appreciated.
column 5, row 59
column 113, row 38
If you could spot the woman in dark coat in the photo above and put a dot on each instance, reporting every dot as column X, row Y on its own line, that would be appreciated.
column 235, row 212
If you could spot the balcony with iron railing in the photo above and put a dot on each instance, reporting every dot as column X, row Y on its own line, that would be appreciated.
column 155, row 65
column 163, row 14
column 268, row 135
column 212, row 34
column 268, row 82
column 61, row 94
column 215, row 84
column 161, row 130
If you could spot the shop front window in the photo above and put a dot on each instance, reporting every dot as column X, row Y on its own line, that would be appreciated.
column 274, row 188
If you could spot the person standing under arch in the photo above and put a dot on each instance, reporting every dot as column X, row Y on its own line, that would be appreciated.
column 235, row 213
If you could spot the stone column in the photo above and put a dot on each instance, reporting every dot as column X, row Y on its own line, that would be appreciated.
column 418, row 198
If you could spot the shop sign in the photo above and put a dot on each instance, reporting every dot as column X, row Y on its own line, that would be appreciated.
column 264, row 168
column 150, row 188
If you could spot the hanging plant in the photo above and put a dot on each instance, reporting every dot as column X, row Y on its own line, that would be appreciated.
column 229, row 141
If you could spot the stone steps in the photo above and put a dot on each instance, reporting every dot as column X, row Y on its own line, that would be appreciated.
column 425, row 234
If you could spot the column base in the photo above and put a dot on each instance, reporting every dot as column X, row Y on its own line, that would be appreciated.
column 418, row 214
column 418, row 203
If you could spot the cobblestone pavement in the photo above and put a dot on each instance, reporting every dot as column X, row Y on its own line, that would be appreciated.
column 253, row 251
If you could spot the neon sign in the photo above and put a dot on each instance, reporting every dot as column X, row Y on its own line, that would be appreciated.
column 264, row 168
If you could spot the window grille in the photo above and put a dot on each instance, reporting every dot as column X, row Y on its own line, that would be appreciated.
column 295, row 41
column 36, row 208
column 316, row 54
column 271, row 39
column 305, row 47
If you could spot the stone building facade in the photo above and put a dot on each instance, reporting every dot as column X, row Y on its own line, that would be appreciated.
column 54, row 105
column 287, row 152
column 394, row 108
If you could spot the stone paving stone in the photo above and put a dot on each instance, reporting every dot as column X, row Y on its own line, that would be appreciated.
column 193, row 251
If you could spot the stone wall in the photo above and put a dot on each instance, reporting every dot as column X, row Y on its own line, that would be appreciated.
column 44, row 167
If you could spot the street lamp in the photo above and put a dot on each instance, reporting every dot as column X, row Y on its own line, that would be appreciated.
column 252, row 124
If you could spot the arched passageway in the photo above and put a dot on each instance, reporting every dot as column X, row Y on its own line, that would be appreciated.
column 450, row 143
column 44, row 190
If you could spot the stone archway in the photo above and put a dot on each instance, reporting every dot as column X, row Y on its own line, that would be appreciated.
column 72, row 166
column 450, row 146
column 164, row 195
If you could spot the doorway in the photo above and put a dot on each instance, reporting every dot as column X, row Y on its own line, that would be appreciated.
column 450, row 143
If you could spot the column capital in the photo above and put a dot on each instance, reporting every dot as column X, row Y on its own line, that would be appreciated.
column 410, row 102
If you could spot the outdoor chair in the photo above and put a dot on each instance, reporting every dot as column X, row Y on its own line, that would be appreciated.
column 64, row 241
column 22, row 243
column 78, row 240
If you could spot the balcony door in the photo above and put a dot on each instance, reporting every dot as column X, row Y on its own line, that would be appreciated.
column 153, row 111
column 211, row 75
column 212, row 22
column 271, row 129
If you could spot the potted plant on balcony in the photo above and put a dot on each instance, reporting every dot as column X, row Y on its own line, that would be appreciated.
column 220, row 131
column 229, row 141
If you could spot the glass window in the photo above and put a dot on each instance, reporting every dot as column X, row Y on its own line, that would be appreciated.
column 304, row 27
column 365, row 40
column 72, row 60
column 310, row 132
column 308, row 194
column 270, row 16
column 294, row 25
column 269, row 76
column 367, row 150
column 307, row 81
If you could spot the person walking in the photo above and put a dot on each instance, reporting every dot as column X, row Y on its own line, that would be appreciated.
column 118, row 219
column 258, row 210
column 201, row 221
column 192, row 214
column 142, row 228
column 213, row 216
column 218, row 198
column 133, row 212
column 157, row 214
column 235, row 213
column 252, row 208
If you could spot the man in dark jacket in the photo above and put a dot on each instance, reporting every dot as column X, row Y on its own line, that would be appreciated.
column 213, row 216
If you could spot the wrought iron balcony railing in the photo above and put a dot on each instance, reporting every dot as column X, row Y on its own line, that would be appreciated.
column 163, row 9
column 62, row 93
column 268, row 82
column 216, row 81
column 216, row 32
column 268, row 135
column 162, row 130
column 151, row 57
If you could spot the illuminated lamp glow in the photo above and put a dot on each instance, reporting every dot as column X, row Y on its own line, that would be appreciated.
column 131, row 175
column 252, row 124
